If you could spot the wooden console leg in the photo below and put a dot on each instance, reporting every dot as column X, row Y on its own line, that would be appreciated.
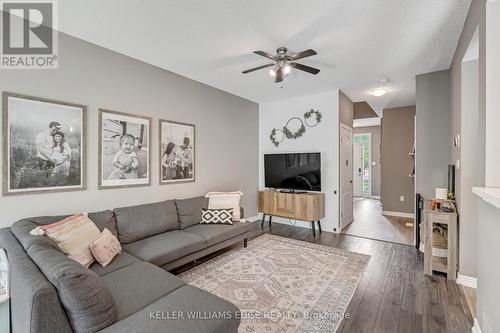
column 313, row 228
column 270, row 218
column 263, row 219
column 245, row 242
column 319, row 226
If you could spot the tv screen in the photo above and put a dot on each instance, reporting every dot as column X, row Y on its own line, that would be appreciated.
column 296, row 171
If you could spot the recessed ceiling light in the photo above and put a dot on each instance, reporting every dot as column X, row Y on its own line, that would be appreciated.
column 378, row 92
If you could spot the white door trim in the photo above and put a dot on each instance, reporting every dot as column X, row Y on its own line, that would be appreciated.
column 369, row 135
column 347, row 128
column 357, row 175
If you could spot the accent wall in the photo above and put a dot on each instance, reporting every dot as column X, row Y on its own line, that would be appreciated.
column 226, row 128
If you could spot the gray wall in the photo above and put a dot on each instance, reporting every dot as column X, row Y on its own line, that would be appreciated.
column 468, row 98
column 346, row 109
column 375, row 145
column 226, row 128
column 433, row 143
column 363, row 110
column 471, row 171
column 398, row 126
column 488, row 277
column 482, row 252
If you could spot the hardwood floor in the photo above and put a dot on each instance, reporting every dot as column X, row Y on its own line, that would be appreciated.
column 370, row 223
column 393, row 295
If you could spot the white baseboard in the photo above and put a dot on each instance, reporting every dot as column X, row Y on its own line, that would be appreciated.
column 253, row 218
column 398, row 214
column 467, row 281
column 476, row 328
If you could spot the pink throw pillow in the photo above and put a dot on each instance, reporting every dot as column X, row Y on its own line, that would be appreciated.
column 73, row 235
column 105, row 247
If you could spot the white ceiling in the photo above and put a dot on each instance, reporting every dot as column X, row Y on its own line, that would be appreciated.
column 358, row 41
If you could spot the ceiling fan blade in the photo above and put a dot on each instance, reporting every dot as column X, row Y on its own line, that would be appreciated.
column 305, row 68
column 303, row 54
column 265, row 54
column 257, row 68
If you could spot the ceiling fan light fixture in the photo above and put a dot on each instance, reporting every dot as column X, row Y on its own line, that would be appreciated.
column 287, row 69
column 284, row 63
column 378, row 92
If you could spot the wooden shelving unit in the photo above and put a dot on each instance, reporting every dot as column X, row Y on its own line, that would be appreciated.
column 434, row 215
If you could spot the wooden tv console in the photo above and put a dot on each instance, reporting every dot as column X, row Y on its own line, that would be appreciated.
column 307, row 206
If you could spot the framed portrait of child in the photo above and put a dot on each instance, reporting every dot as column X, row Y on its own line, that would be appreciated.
column 43, row 145
column 177, row 162
column 124, row 150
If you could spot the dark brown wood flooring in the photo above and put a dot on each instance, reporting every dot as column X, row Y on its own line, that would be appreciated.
column 393, row 295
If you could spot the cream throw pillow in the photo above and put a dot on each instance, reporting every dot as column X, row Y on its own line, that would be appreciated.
column 73, row 235
column 225, row 200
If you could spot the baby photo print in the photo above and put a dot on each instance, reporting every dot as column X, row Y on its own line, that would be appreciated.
column 124, row 150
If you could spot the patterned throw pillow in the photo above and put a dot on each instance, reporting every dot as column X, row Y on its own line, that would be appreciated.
column 216, row 216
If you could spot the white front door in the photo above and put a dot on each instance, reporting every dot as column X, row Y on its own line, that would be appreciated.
column 346, row 215
column 358, row 170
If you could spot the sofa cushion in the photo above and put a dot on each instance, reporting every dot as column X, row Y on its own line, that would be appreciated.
column 21, row 229
column 189, row 210
column 88, row 302
column 166, row 247
column 184, row 300
column 31, row 293
column 138, row 285
column 138, row 222
column 217, row 233
column 121, row 260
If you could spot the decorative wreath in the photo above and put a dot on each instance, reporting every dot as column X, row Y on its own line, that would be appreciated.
column 289, row 134
column 273, row 136
column 309, row 114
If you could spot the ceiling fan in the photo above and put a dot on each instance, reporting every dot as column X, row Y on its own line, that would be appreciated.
column 284, row 63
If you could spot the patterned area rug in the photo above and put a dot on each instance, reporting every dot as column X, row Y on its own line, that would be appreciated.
column 282, row 284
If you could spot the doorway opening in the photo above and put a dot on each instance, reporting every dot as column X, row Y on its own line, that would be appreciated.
column 362, row 165
column 368, row 218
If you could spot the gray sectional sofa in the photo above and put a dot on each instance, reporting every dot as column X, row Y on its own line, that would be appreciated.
column 134, row 293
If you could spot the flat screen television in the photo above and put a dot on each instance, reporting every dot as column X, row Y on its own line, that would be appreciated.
column 294, row 171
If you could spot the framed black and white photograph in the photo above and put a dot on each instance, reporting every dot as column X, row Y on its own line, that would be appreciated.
column 124, row 150
column 177, row 153
column 44, row 145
